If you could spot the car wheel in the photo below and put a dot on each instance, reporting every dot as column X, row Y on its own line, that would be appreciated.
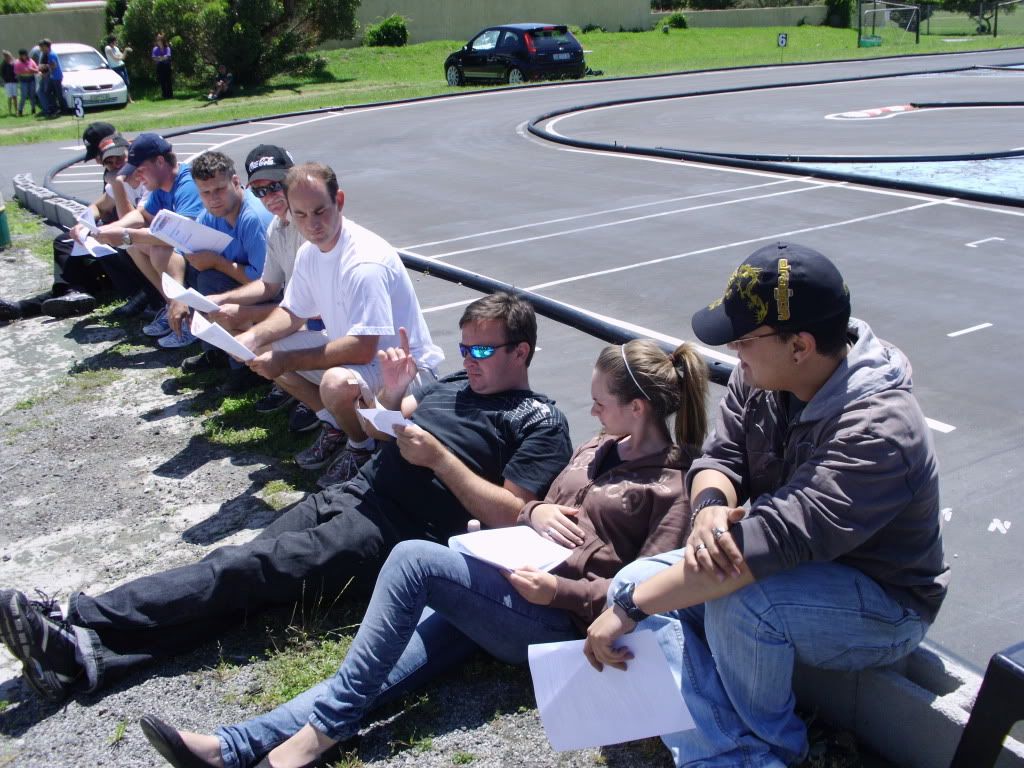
column 454, row 75
column 515, row 76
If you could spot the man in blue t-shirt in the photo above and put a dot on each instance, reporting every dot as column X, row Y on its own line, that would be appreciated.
column 51, row 89
column 171, row 187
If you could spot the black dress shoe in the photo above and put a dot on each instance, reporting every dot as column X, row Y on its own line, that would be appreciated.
column 9, row 310
column 167, row 741
column 133, row 306
column 71, row 304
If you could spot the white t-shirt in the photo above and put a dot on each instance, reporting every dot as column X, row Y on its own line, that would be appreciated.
column 135, row 194
column 114, row 55
column 283, row 241
column 360, row 288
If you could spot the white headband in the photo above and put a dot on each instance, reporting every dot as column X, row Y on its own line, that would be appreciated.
column 622, row 349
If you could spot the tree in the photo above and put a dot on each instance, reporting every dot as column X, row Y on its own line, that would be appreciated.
column 979, row 10
column 256, row 39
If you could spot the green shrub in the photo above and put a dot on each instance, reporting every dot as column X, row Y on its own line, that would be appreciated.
column 675, row 20
column 22, row 6
column 587, row 28
column 392, row 31
column 838, row 13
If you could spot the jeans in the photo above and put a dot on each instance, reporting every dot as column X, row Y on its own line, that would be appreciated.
column 27, row 88
column 43, row 94
column 430, row 609
column 313, row 549
column 734, row 656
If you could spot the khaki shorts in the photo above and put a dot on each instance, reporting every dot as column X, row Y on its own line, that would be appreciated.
column 368, row 375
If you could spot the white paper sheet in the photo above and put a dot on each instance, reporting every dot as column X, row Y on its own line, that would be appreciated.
column 214, row 334
column 186, row 235
column 581, row 707
column 188, row 296
column 511, row 548
column 384, row 420
column 87, row 244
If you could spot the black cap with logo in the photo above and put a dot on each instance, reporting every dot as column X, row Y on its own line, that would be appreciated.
column 93, row 134
column 268, row 162
column 783, row 285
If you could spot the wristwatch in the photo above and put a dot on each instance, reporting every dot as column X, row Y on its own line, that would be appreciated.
column 623, row 597
column 126, row 238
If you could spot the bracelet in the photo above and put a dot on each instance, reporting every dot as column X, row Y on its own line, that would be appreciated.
column 709, row 497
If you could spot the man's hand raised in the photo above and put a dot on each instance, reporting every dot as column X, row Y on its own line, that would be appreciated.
column 397, row 369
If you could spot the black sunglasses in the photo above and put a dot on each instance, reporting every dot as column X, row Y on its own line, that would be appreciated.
column 267, row 189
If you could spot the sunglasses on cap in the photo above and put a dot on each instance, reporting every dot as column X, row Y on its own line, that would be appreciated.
column 267, row 189
column 483, row 351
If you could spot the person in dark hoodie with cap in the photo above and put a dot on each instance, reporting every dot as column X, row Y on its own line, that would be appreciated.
column 77, row 278
column 838, row 561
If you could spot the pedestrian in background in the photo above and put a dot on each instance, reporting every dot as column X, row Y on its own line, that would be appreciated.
column 115, row 59
column 10, row 81
column 26, row 70
column 162, row 58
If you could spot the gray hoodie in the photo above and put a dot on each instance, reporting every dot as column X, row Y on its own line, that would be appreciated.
column 852, row 480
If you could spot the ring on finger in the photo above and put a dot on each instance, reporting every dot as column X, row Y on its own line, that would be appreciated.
column 717, row 533
column 700, row 547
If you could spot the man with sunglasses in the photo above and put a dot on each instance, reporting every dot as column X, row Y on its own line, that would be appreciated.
column 480, row 445
column 77, row 278
column 838, row 561
column 354, row 281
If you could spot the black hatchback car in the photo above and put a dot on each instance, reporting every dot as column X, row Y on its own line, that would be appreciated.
column 516, row 53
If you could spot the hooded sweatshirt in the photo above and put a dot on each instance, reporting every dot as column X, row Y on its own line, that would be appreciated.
column 851, row 479
column 636, row 509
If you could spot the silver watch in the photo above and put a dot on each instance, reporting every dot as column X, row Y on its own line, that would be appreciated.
column 126, row 238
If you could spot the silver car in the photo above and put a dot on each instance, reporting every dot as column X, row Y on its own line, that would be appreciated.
column 87, row 76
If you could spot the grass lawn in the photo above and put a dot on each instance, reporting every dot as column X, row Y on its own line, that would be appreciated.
column 362, row 75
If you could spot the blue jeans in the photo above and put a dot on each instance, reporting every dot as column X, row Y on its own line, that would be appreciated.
column 734, row 656
column 27, row 87
column 43, row 95
column 430, row 609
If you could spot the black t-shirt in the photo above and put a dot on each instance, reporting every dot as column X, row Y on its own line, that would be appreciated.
column 7, row 71
column 518, row 436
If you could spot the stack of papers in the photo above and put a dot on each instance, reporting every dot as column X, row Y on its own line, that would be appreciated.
column 384, row 420
column 190, row 297
column 186, row 235
column 88, row 244
column 511, row 548
column 581, row 707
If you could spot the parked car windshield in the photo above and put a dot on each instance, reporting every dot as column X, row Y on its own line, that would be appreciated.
column 81, row 60
column 550, row 39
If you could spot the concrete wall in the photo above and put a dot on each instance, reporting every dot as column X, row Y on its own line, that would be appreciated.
column 757, row 17
column 461, row 19
column 23, row 30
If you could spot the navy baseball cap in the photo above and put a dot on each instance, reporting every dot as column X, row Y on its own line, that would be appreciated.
column 784, row 285
column 145, row 147
column 268, row 162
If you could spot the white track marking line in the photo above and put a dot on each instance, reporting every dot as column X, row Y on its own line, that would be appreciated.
column 630, row 220
column 212, row 133
column 972, row 329
column 976, row 243
column 939, row 426
column 603, row 212
column 986, row 208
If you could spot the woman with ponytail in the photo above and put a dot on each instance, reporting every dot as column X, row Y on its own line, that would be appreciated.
column 621, row 497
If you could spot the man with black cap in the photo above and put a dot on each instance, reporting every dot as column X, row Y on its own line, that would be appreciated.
column 171, row 187
column 838, row 561
column 77, row 278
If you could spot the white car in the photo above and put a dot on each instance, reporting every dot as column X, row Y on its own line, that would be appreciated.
column 87, row 76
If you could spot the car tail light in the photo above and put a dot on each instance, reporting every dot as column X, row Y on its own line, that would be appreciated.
column 530, row 46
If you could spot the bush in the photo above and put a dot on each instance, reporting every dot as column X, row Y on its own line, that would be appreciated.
column 22, row 6
column 675, row 20
column 667, row 5
column 256, row 39
column 587, row 28
column 838, row 13
column 392, row 31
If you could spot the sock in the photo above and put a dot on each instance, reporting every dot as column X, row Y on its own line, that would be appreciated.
column 324, row 415
column 363, row 445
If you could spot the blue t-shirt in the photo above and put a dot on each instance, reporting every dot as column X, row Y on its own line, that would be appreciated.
column 249, row 245
column 56, row 73
column 183, row 197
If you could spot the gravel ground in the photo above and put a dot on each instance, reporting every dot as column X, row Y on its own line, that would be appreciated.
column 107, row 476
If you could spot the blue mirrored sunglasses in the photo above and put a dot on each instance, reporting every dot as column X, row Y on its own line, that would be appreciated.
column 483, row 351
column 267, row 189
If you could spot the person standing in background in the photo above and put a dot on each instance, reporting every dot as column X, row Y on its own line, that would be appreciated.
column 161, row 56
column 26, row 69
column 10, row 81
column 115, row 59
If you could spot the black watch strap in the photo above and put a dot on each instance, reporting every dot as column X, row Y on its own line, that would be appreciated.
column 623, row 597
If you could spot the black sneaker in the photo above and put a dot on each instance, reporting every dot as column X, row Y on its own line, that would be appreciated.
column 44, row 644
column 9, row 310
column 303, row 419
column 133, row 307
column 71, row 304
column 241, row 380
column 210, row 360
column 275, row 400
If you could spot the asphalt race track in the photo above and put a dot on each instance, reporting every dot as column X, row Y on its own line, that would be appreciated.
column 646, row 241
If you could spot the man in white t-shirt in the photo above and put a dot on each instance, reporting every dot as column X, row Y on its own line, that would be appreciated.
column 355, row 282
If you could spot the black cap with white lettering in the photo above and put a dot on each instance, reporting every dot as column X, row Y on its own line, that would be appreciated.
column 268, row 163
